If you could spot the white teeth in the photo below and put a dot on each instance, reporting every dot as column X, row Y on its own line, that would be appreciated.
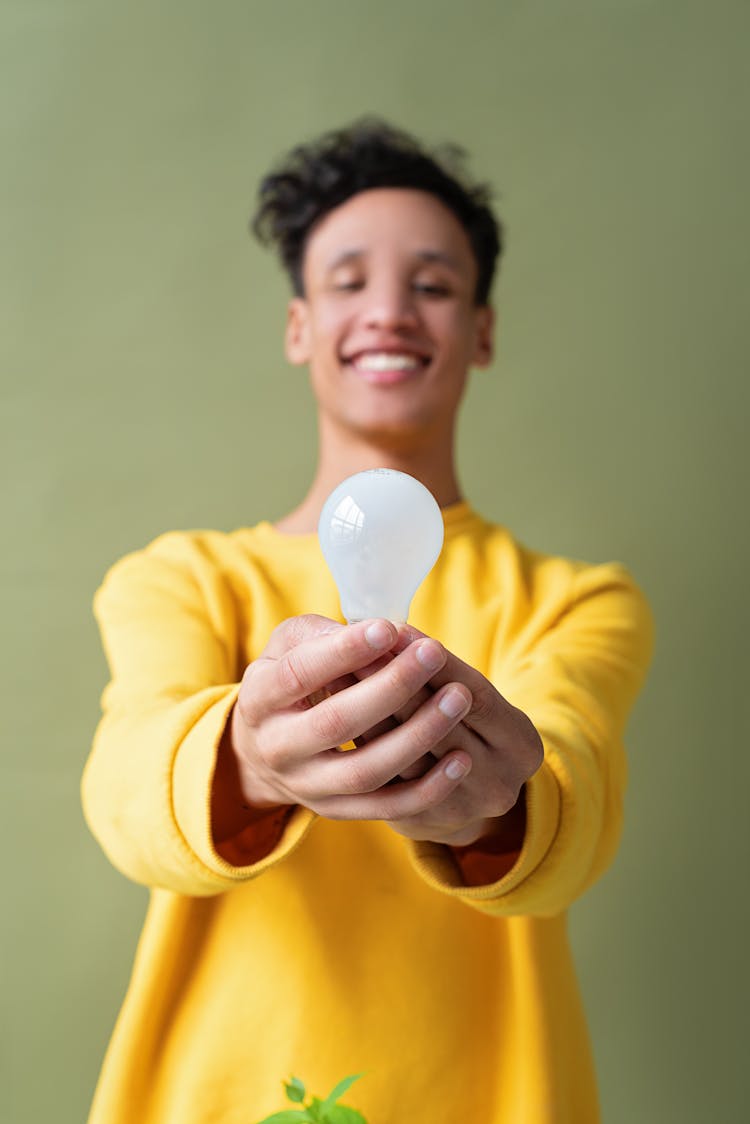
column 383, row 361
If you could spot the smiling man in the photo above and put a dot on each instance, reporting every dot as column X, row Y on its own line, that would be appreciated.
column 389, row 326
column 398, row 908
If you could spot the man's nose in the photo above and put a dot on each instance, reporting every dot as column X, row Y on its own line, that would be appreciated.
column 391, row 306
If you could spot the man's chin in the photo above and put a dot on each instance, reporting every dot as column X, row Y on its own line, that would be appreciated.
column 393, row 433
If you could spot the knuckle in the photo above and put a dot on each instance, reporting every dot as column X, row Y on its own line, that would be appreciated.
column 246, row 707
column 529, row 747
column 309, row 625
column 410, row 803
column 284, row 628
column 285, row 635
column 299, row 628
column 273, row 755
column 484, row 705
column 293, row 631
column 397, row 679
column 347, row 641
column 248, row 700
column 500, row 798
column 250, row 725
column 291, row 671
column 504, row 803
column 426, row 735
column 328, row 723
column 360, row 777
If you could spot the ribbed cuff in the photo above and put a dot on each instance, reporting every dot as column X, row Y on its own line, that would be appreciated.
column 436, row 865
column 192, row 779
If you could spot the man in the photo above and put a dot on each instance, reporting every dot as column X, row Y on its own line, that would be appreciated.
column 398, row 908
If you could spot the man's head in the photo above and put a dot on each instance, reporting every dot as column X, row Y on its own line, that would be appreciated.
column 391, row 258
column 316, row 178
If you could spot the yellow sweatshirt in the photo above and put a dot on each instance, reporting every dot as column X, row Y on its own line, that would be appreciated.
column 349, row 948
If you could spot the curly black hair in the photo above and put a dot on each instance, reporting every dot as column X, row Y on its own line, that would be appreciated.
column 316, row 177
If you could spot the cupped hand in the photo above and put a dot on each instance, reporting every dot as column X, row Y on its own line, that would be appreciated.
column 503, row 744
column 287, row 750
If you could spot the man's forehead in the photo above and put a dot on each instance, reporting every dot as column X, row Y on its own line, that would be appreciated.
column 409, row 220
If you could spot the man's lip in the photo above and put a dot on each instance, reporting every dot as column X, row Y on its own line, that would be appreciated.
column 389, row 376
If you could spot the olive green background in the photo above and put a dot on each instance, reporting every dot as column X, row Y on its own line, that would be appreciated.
column 143, row 389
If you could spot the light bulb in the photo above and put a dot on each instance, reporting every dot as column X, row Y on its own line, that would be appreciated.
column 381, row 533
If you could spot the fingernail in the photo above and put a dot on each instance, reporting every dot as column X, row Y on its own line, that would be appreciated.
column 453, row 703
column 430, row 655
column 378, row 635
column 456, row 768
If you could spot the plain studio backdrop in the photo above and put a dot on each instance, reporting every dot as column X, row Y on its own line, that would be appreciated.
column 144, row 389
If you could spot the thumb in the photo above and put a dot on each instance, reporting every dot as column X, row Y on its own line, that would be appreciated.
column 295, row 630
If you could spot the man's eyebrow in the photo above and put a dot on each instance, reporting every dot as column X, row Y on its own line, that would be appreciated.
column 441, row 257
column 344, row 257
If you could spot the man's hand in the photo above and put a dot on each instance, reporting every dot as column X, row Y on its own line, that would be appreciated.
column 502, row 742
column 287, row 750
column 440, row 754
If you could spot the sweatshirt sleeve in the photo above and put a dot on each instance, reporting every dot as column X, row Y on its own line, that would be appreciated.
column 170, row 626
column 576, row 680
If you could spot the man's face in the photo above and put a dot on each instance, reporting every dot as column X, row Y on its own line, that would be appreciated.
column 388, row 323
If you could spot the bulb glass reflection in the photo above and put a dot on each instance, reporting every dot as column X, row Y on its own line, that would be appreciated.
column 381, row 533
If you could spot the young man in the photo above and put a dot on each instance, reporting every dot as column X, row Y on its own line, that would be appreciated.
column 398, row 908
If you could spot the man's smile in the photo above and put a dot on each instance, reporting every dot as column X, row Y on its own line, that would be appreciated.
column 381, row 367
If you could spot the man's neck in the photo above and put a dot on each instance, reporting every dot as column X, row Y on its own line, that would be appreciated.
column 432, row 463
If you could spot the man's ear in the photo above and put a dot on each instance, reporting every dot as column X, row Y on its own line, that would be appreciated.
column 484, row 347
column 297, row 333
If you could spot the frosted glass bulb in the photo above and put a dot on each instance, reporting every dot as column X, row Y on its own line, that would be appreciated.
column 381, row 533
